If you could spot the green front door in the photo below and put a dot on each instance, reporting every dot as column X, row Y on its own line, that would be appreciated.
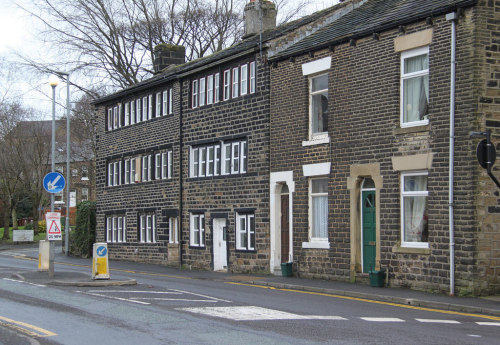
column 368, row 224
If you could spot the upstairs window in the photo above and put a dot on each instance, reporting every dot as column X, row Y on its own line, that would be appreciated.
column 227, row 84
column 150, row 107
column 110, row 119
column 138, row 110
column 244, row 80
column 235, row 90
column 170, row 101
column 158, row 104
column 194, row 97
column 216, row 88
column 165, row 102
column 202, row 91
column 127, row 114
column 210, row 89
column 132, row 113
column 415, row 87
column 252, row 77
column 318, row 106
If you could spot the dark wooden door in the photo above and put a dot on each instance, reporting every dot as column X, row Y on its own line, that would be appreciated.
column 285, row 230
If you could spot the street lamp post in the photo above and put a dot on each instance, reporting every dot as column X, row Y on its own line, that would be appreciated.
column 53, row 81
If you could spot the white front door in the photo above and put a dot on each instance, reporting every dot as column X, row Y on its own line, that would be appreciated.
column 220, row 248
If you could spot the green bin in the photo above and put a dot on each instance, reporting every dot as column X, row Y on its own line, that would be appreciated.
column 286, row 269
column 377, row 278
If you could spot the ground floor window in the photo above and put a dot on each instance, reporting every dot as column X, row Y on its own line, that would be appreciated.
column 245, row 231
column 318, row 206
column 147, row 233
column 197, row 230
column 414, row 227
column 116, row 229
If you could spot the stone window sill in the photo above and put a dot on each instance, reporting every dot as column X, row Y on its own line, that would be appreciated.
column 409, row 130
column 316, row 245
column 324, row 140
column 410, row 250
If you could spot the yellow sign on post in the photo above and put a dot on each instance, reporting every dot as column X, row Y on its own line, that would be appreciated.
column 100, row 268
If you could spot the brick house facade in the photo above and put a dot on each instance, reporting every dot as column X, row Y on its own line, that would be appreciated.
column 369, row 188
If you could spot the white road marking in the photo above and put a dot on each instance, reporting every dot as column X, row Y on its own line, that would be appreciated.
column 382, row 319
column 252, row 313
column 23, row 282
column 173, row 299
column 112, row 297
column 488, row 323
column 139, row 291
column 204, row 296
column 438, row 321
column 474, row 335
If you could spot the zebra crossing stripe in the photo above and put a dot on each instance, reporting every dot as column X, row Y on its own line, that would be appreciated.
column 438, row 321
column 382, row 319
column 489, row 323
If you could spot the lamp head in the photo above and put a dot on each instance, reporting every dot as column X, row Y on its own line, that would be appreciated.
column 53, row 80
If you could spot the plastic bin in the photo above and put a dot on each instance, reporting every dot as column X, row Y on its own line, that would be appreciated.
column 286, row 269
column 377, row 278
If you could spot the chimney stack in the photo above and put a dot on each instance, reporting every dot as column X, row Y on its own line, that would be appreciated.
column 166, row 55
column 260, row 15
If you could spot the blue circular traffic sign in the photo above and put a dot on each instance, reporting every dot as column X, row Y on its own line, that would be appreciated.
column 54, row 182
column 101, row 251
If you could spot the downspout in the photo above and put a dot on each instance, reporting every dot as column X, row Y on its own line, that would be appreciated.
column 453, row 18
column 181, row 186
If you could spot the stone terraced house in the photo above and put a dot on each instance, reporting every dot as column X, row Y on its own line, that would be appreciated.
column 362, row 112
column 183, row 157
column 323, row 143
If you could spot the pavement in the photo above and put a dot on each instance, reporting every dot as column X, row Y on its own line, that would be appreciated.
column 489, row 305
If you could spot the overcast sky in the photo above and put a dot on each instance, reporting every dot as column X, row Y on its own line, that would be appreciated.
column 18, row 33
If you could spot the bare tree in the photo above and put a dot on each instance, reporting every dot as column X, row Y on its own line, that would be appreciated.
column 113, row 40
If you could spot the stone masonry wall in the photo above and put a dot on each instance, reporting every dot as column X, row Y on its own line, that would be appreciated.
column 364, row 115
column 156, row 196
column 246, row 116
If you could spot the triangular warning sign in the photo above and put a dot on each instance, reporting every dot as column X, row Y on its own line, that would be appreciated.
column 54, row 229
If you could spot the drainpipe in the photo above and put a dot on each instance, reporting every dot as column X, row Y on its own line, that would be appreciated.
column 181, row 186
column 452, row 17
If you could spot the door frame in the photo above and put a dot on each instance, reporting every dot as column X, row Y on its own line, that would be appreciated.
column 216, row 232
column 277, row 180
column 361, row 222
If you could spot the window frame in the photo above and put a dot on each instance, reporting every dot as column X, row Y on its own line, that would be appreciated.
column 132, row 112
column 403, row 195
column 210, row 89
column 173, row 230
column 227, row 85
column 158, row 104
column 406, row 76
column 158, row 166
column 165, row 102
column 144, row 108
column 253, row 77
column 197, row 235
column 311, row 196
column 248, row 232
column 316, row 135
column 202, row 92
column 243, row 79
column 147, row 228
column 216, row 87
column 235, row 92
column 127, row 114
column 127, row 171
column 194, row 94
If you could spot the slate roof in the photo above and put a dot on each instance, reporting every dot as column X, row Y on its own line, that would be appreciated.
column 372, row 17
column 250, row 44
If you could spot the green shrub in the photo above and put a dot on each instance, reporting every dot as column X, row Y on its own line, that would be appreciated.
column 83, row 238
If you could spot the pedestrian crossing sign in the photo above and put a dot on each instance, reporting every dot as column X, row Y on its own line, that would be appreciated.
column 53, row 220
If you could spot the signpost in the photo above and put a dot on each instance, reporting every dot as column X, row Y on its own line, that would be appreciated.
column 53, row 182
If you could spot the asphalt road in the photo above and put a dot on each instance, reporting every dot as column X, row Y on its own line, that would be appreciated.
column 166, row 308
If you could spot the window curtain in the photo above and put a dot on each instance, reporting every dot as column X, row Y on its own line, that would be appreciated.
column 416, row 90
column 414, row 210
column 320, row 217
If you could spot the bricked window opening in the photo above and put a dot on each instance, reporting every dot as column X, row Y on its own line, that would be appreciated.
column 210, row 89
column 252, row 77
column 173, row 230
column 235, row 80
column 245, row 231
column 216, row 88
column 318, row 205
column 194, row 96
column 227, row 84
column 318, row 106
column 415, row 87
column 116, row 229
column 244, row 80
column 147, row 228
column 197, row 230
column 203, row 91
column 414, row 220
